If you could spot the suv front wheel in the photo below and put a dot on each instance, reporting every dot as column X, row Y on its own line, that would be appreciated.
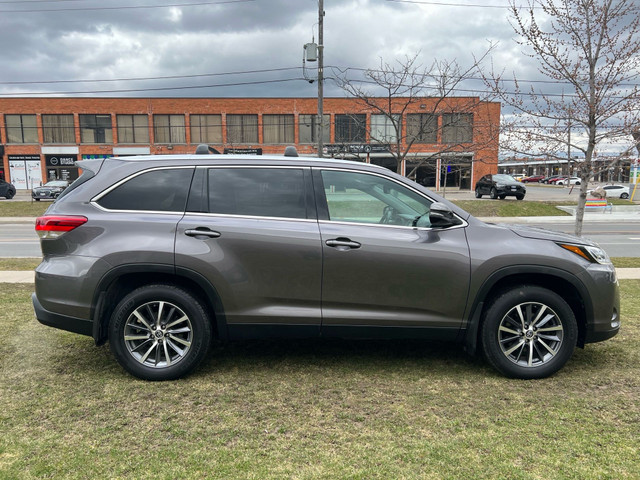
column 529, row 332
column 159, row 332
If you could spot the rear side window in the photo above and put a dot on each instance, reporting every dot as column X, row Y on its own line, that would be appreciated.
column 261, row 192
column 158, row 190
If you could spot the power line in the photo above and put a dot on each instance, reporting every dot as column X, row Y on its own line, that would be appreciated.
column 128, row 7
column 135, row 79
column 158, row 89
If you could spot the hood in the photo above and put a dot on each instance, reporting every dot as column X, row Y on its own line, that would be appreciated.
column 544, row 234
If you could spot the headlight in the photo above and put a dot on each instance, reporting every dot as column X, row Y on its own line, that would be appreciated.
column 500, row 185
column 588, row 252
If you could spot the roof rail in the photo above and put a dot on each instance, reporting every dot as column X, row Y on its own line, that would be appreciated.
column 290, row 151
column 204, row 149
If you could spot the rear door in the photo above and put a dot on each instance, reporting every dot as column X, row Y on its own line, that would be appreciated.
column 253, row 233
column 383, row 264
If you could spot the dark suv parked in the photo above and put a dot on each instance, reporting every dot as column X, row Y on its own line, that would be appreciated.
column 7, row 190
column 500, row 186
column 159, row 255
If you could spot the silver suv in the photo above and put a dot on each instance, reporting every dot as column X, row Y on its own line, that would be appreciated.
column 160, row 255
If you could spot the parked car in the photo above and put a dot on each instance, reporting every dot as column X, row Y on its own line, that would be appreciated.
column 552, row 178
column 614, row 191
column 7, row 190
column 500, row 186
column 533, row 178
column 49, row 191
column 568, row 181
column 160, row 255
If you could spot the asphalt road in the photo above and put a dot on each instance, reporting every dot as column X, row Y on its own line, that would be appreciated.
column 618, row 239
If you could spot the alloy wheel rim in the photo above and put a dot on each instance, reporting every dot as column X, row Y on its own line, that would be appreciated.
column 530, row 334
column 158, row 334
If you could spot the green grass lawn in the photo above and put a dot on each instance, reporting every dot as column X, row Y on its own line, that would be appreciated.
column 332, row 409
column 23, row 209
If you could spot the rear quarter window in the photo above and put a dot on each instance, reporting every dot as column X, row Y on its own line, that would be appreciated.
column 163, row 190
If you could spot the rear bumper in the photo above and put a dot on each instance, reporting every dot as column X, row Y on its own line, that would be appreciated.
column 63, row 322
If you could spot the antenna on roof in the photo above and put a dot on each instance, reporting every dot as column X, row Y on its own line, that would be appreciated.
column 204, row 149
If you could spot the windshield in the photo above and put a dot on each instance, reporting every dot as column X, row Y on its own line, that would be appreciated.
column 503, row 178
column 56, row 183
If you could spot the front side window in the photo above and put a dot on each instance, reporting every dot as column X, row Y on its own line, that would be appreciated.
column 277, row 129
column 383, row 129
column 162, row 190
column 58, row 129
column 308, row 127
column 169, row 129
column 21, row 128
column 457, row 128
column 133, row 128
column 242, row 129
column 206, row 128
column 351, row 128
column 95, row 129
column 261, row 192
column 363, row 198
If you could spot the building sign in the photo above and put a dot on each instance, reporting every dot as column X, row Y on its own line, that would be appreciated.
column 61, row 167
column 25, row 171
column 243, row 151
column 357, row 148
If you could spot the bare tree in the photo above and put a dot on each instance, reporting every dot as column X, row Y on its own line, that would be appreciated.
column 392, row 91
column 590, row 52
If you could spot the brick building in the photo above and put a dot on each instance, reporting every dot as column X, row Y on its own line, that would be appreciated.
column 453, row 142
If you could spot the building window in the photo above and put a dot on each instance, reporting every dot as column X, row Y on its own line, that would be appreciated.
column 277, row 129
column 133, row 128
column 383, row 130
column 242, row 128
column 206, row 128
column 58, row 129
column 351, row 128
column 308, row 128
column 169, row 129
column 457, row 128
column 95, row 129
column 422, row 128
column 21, row 128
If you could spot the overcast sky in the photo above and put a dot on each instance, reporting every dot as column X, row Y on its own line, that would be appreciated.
column 201, row 42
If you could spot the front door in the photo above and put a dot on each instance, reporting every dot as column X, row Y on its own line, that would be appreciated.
column 383, row 263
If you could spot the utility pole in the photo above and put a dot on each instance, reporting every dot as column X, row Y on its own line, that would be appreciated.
column 320, row 125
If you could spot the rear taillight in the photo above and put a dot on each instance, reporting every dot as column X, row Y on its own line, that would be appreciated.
column 54, row 226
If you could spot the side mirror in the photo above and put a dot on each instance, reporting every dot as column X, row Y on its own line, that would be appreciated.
column 441, row 216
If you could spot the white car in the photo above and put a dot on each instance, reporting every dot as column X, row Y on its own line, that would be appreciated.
column 615, row 191
column 569, row 181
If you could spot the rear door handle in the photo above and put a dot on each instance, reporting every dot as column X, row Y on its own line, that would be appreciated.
column 202, row 232
column 342, row 243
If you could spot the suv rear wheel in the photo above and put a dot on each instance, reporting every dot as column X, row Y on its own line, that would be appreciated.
column 159, row 332
column 529, row 332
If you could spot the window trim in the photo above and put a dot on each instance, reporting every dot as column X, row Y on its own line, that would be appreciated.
column 96, row 198
column 323, row 208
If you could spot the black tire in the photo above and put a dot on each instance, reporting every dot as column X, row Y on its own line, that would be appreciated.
column 519, row 197
column 37, row 199
column 10, row 194
column 176, row 351
column 493, row 193
column 513, row 343
column 502, row 197
column 624, row 196
column 478, row 194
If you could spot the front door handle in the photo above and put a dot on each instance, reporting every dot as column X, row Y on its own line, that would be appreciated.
column 342, row 243
column 202, row 232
